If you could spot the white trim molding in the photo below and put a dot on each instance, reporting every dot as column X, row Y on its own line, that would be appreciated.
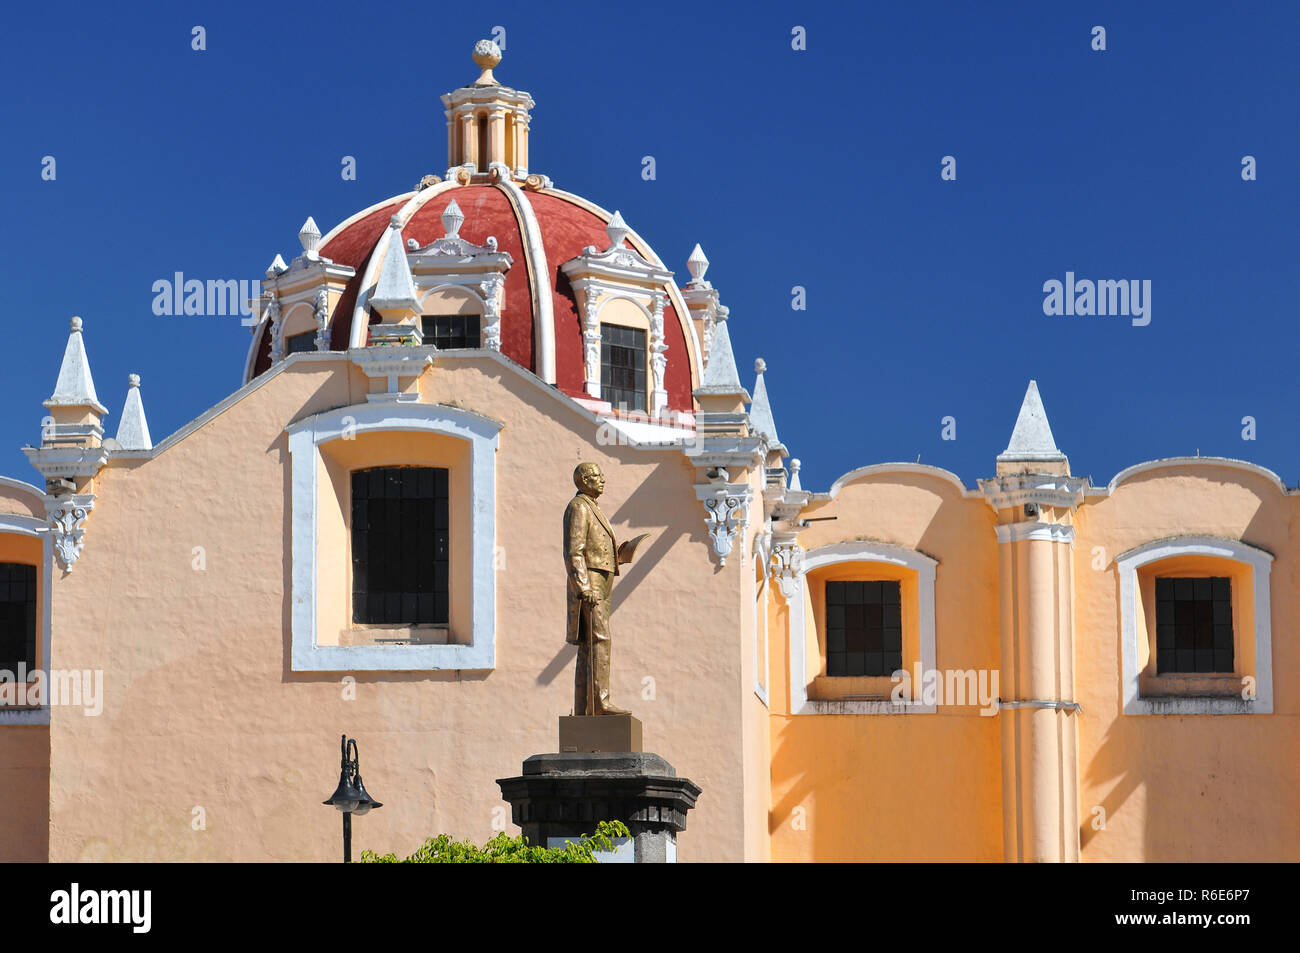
column 305, row 438
column 1034, row 529
column 798, row 632
column 1260, row 563
column 34, row 526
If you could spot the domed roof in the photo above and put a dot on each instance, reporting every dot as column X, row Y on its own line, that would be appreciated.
column 540, row 229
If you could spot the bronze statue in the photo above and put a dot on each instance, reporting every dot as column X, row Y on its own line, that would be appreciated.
column 591, row 558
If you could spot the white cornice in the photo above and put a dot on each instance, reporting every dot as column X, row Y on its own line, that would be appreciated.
column 1161, row 464
column 877, row 469
column 1046, row 489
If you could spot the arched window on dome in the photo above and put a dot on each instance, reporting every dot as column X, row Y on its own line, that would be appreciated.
column 624, row 355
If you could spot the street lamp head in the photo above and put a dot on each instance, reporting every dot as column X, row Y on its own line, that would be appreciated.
column 365, row 802
column 350, row 796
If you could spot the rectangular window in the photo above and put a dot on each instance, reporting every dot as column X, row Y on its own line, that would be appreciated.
column 399, row 546
column 447, row 332
column 17, row 616
column 296, row 343
column 1194, row 625
column 864, row 628
column 622, row 366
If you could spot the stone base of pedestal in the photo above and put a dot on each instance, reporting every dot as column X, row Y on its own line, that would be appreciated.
column 615, row 733
column 565, row 795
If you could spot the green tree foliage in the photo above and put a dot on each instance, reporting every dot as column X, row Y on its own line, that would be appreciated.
column 507, row 850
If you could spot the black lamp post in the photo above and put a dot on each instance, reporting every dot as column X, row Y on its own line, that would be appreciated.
column 350, row 796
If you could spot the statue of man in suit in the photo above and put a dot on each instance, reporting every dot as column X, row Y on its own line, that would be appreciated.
column 591, row 558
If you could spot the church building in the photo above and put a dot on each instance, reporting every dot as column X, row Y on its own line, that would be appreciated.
column 365, row 537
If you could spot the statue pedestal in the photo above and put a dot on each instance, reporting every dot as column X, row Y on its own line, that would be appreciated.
column 588, row 733
column 565, row 795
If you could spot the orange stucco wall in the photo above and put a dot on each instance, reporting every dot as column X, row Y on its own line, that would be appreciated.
column 897, row 786
column 1186, row 787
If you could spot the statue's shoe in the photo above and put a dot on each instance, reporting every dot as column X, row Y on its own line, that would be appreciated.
column 611, row 710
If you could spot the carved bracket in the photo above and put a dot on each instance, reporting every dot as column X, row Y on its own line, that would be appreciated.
column 67, row 516
column 787, row 566
column 726, row 509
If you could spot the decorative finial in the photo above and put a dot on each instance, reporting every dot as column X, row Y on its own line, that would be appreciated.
column 278, row 267
column 486, row 56
column 132, row 380
column 697, row 264
column 616, row 230
column 452, row 216
column 75, row 324
column 760, row 365
column 794, row 475
column 309, row 235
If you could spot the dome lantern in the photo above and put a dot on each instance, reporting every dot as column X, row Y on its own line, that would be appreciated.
column 487, row 123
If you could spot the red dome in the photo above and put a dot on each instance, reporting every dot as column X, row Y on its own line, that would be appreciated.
column 565, row 226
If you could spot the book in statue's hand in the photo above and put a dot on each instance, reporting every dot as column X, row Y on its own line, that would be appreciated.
column 627, row 549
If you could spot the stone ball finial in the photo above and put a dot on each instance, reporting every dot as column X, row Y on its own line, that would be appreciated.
column 795, row 464
column 75, row 324
column 760, row 365
column 486, row 54
column 132, row 380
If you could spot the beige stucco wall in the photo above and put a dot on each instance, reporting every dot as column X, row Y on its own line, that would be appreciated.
column 201, row 709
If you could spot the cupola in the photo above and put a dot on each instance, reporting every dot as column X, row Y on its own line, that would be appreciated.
column 487, row 123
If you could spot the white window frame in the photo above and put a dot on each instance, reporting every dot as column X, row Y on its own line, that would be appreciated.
column 798, row 631
column 1260, row 563
column 305, row 438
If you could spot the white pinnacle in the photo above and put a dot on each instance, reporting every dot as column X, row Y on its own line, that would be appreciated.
column 697, row 264
column 1032, row 437
column 452, row 219
column 75, row 386
column 720, row 375
column 395, row 289
column 278, row 267
column 760, row 411
column 617, row 231
column 133, row 429
column 309, row 236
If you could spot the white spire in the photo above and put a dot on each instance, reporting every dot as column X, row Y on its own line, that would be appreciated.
column 720, row 376
column 1032, row 437
column 133, row 429
column 760, row 411
column 616, row 230
column 278, row 267
column 75, row 387
column 395, row 289
column 697, row 264
column 794, row 475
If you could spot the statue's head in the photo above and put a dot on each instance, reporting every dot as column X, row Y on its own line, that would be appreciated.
column 589, row 479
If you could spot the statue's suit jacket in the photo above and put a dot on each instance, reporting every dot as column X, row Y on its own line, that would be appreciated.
column 588, row 544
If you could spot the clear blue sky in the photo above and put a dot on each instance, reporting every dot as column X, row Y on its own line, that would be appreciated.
column 817, row 168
